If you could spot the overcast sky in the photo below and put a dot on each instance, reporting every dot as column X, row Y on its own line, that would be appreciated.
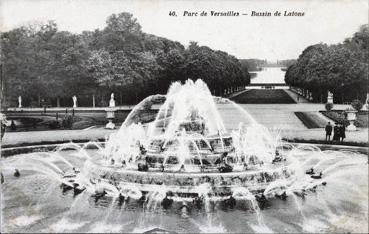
column 271, row 38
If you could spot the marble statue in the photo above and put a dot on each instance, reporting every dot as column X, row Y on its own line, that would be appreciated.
column 112, row 101
column 20, row 102
column 330, row 97
column 74, row 101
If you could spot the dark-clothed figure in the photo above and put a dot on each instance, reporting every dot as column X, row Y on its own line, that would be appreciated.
column 3, row 128
column 12, row 126
column 336, row 132
column 342, row 132
column 328, row 131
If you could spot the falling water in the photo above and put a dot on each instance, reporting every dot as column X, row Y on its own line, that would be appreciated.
column 189, row 126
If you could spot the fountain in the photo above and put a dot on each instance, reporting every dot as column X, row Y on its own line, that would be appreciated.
column 185, row 146
column 190, row 157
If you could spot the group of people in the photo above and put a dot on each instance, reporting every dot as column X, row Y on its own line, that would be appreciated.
column 339, row 132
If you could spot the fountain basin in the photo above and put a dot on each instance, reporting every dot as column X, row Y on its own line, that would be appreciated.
column 178, row 158
column 187, row 183
column 43, row 193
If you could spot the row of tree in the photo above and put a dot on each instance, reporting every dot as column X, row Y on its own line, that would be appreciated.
column 340, row 68
column 286, row 62
column 254, row 64
column 41, row 63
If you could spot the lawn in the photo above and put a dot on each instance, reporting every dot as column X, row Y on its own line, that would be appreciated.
column 339, row 116
column 311, row 119
column 36, row 121
column 264, row 96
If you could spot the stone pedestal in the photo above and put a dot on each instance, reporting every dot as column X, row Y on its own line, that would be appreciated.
column 351, row 117
column 110, row 115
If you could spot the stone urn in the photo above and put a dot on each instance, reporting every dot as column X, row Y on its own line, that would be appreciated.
column 110, row 115
column 351, row 117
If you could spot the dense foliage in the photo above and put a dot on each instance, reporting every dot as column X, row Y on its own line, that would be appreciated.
column 253, row 64
column 329, row 106
column 340, row 68
column 339, row 116
column 42, row 63
column 357, row 104
column 286, row 62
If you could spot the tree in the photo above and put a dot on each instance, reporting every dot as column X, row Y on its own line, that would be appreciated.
column 122, row 32
column 41, row 62
column 357, row 104
column 20, row 63
column 340, row 68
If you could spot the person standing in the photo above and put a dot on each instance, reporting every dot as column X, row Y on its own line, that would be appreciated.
column 328, row 131
column 3, row 128
column 336, row 132
column 12, row 126
column 342, row 132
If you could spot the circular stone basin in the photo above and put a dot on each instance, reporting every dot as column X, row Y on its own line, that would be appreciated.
column 34, row 201
column 222, row 184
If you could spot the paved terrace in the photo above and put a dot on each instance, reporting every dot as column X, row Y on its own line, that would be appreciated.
column 278, row 117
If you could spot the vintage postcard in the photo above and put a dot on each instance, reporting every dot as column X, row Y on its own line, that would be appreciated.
column 184, row 116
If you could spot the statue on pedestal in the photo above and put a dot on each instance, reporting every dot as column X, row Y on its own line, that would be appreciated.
column 110, row 113
column 19, row 102
column 330, row 97
column 74, row 101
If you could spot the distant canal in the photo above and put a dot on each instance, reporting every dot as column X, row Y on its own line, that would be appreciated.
column 269, row 75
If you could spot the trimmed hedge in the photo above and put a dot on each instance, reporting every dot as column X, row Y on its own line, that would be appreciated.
column 310, row 119
column 264, row 96
column 339, row 117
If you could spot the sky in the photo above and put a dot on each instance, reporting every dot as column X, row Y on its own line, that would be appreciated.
column 272, row 38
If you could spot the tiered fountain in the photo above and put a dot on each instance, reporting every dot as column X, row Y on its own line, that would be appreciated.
column 186, row 157
column 185, row 148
